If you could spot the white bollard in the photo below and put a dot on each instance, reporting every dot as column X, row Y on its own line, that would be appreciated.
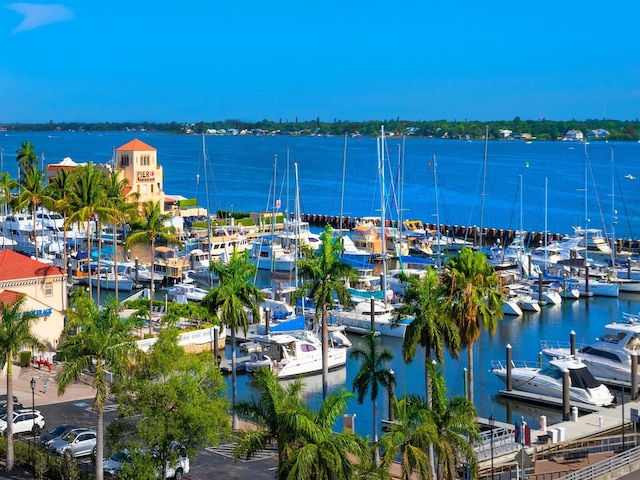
column 600, row 421
column 574, row 414
column 543, row 423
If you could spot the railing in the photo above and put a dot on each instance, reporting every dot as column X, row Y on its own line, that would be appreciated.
column 606, row 467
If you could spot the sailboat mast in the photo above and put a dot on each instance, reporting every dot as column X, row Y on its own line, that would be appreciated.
column 484, row 177
column 614, row 212
column 273, row 207
column 383, row 227
column 546, row 228
column 344, row 168
column 435, row 181
column 586, row 211
column 206, row 190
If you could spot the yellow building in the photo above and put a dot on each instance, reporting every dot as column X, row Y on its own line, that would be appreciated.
column 138, row 163
column 44, row 288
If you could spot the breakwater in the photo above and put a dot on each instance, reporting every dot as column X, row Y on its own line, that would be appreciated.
column 490, row 236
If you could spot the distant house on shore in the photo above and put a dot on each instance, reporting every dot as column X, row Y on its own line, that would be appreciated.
column 597, row 134
column 573, row 136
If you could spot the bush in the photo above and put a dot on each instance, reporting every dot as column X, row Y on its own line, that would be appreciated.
column 25, row 358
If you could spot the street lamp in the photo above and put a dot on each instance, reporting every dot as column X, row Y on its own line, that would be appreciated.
column 391, row 384
column 492, row 423
column 33, row 407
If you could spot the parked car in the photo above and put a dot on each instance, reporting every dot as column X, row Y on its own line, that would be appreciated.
column 25, row 420
column 3, row 398
column 75, row 443
column 175, row 469
column 3, row 408
column 54, row 434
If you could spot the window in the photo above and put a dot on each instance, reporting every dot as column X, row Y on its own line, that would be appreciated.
column 124, row 160
column 48, row 289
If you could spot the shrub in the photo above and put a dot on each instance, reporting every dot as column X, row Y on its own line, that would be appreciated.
column 25, row 358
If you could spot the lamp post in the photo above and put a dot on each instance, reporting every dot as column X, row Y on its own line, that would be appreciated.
column 33, row 407
column 391, row 385
column 492, row 423
column 267, row 316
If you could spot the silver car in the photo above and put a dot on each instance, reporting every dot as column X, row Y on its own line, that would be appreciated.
column 75, row 443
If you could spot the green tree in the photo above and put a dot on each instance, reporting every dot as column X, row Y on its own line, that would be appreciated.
column 307, row 445
column 429, row 328
column 229, row 302
column 89, row 201
column 456, row 423
column 60, row 190
column 155, row 226
column 32, row 194
column 472, row 299
column 323, row 275
column 121, row 209
column 409, row 438
column 96, row 339
column 6, row 185
column 15, row 333
column 178, row 398
column 27, row 157
column 373, row 373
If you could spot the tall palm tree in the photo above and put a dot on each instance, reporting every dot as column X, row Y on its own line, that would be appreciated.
column 456, row 423
column 27, row 157
column 32, row 194
column 307, row 445
column 229, row 302
column 102, row 341
column 121, row 210
column 374, row 372
column 15, row 333
column 60, row 190
column 429, row 328
column 89, row 199
column 472, row 299
column 155, row 226
column 323, row 275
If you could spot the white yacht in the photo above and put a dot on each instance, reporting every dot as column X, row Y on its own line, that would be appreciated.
column 267, row 254
column 548, row 380
column 293, row 354
column 358, row 319
column 608, row 356
column 185, row 292
column 107, row 280
column 141, row 275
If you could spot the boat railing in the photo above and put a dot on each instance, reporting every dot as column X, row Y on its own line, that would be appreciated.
column 501, row 364
column 557, row 344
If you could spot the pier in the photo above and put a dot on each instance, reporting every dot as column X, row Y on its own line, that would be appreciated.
column 490, row 236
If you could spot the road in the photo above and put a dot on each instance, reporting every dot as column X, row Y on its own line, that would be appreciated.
column 210, row 463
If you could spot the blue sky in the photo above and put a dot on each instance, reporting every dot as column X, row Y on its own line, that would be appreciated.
column 211, row 60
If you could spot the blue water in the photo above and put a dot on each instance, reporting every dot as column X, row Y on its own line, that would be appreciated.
column 241, row 171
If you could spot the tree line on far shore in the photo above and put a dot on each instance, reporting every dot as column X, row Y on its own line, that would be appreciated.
column 541, row 129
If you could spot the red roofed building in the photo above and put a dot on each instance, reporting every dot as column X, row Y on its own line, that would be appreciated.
column 138, row 163
column 45, row 289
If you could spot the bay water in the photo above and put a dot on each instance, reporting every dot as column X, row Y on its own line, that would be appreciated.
column 240, row 172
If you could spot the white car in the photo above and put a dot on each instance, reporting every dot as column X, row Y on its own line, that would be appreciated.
column 176, row 469
column 25, row 420
column 75, row 443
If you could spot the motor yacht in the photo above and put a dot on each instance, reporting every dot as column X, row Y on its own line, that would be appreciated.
column 548, row 380
column 609, row 356
column 293, row 354
column 358, row 319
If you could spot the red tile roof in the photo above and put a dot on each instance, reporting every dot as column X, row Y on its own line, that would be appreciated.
column 9, row 297
column 136, row 145
column 14, row 266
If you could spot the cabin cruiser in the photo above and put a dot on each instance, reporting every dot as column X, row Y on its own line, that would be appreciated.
column 548, row 380
column 267, row 254
column 186, row 292
column 30, row 236
column 139, row 273
column 358, row 319
column 294, row 354
column 609, row 356
column 107, row 279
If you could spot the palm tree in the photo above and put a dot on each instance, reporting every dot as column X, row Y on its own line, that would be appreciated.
column 456, row 423
column 155, row 226
column 410, row 437
column 27, row 157
column 229, row 302
column 307, row 445
column 472, row 299
column 121, row 210
column 429, row 328
column 89, row 199
column 101, row 341
column 323, row 275
column 60, row 190
column 6, row 185
column 373, row 373
column 32, row 194
column 15, row 333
